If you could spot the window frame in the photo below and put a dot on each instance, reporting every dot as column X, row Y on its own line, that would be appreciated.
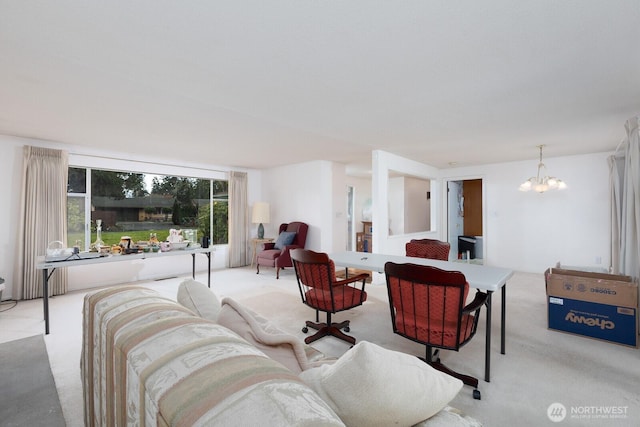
column 89, row 163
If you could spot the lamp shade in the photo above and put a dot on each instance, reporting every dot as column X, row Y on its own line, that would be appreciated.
column 260, row 214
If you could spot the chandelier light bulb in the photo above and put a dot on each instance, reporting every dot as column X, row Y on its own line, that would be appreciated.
column 541, row 188
column 525, row 186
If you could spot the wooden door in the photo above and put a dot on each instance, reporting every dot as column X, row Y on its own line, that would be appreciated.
column 472, row 192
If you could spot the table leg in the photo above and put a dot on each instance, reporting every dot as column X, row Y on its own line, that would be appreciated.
column 253, row 252
column 504, row 318
column 45, row 299
column 487, row 351
column 209, row 269
column 193, row 268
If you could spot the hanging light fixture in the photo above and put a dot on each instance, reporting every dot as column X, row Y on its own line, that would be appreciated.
column 542, row 182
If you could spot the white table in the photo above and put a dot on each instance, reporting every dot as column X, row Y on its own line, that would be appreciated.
column 53, row 265
column 482, row 277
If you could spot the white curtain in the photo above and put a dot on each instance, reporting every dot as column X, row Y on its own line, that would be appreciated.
column 238, row 230
column 43, row 219
column 624, row 168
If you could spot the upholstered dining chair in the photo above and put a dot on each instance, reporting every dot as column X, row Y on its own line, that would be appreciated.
column 428, row 248
column 319, row 289
column 277, row 254
column 427, row 306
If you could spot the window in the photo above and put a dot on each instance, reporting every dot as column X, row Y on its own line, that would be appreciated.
column 138, row 204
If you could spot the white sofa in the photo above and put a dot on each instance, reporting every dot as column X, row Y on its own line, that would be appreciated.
column 148, row 360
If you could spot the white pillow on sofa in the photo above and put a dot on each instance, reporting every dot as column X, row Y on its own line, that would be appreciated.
column 373, row 386
column 198, row 298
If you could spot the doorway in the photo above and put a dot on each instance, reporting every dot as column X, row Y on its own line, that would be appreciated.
column 465, row 220
column 350, row 218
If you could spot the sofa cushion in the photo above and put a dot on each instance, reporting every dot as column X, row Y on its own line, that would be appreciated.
column 285, row 238
column 198, row 298
column 372, row 386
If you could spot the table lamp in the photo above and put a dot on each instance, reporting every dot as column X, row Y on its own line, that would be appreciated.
column 260, row 215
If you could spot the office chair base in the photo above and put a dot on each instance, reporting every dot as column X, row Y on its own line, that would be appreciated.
column 335, row 330
column 466, row 379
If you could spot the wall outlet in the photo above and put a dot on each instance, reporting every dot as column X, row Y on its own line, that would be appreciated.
column 598, row 260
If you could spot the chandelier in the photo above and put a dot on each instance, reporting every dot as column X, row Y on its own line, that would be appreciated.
column 542, row 182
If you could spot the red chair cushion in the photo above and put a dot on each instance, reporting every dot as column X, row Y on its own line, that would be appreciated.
column 434, row 331
column 270, row 254
column 318, row 278
column 343, row 297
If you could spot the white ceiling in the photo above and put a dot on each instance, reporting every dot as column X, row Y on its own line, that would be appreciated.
column 264, row 83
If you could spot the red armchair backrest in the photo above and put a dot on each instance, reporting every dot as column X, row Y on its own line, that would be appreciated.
column 426, row 302
column 315, row 269
column 300, row 228
column 428, row 248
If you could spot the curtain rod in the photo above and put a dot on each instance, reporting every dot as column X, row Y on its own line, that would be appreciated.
column 148, row 162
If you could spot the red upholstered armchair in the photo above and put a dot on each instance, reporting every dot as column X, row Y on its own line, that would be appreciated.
column 428, row 306
column 276, row 254
column 428, row 248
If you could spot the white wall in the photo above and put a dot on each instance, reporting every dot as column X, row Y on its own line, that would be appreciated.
column 295, row 193
column 384, row 162
column 417, row 209
column 11, row 163
column 395, row 206
column 338, row 214
column 530, row 231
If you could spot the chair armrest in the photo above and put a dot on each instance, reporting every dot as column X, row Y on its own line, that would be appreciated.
column 357, row 278
column 479, row 300
column 288, row 248
column 269, row 245
column 284, row 259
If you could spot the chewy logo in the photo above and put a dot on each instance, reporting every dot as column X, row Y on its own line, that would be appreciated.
column 590, row 321
column 603, row 291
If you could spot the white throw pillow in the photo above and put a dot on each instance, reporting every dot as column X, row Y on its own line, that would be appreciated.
column 198, row 298
column 373, row 386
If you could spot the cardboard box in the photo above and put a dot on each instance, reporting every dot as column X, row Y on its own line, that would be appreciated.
column 597, row 305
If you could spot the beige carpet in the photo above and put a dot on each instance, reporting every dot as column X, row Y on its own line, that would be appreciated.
column 541, row 367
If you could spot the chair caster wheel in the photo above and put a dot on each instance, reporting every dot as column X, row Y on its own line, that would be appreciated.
column 476, row 394
column 305, row 329
column 346, row 329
